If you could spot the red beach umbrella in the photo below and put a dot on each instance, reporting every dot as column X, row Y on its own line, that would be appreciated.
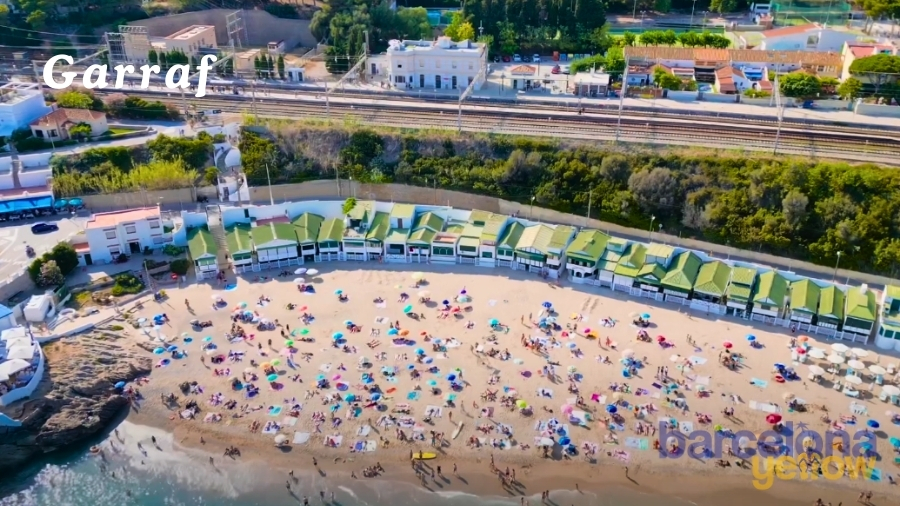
column 727, row 344
column 660, row 339
column 773, row 418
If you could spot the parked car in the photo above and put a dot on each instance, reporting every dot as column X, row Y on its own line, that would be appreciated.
column 555, row 70
column 506, row 58
column 42, row 228
column 496, row 59
column 517, row 58
column 564, row 69
column 536, row 58
column 526, row 59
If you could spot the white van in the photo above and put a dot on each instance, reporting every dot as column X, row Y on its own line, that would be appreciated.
column 760, row 8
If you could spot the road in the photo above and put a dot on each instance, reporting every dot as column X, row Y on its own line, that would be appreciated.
column 15, row 235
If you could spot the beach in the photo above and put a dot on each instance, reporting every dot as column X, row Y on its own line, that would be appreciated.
column 462, row 355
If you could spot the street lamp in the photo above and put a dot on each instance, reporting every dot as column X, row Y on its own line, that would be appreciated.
column 693, row 6
column 531, row 213
column 642, row 18
column 634, row 12
column 833, row 276
column 650, row 234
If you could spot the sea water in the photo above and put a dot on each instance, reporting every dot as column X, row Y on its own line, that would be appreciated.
column 168, row 476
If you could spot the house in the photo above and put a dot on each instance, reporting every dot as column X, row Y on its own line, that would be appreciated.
column 506, row 248
column 584, row 252
column 401, row 219
column 712, row 281
column 469, row 243
column 522, row 77
column 739, row 294
column 804, row 300
column 862, row 311
column 240, row 246
column 307, row 227
column 328, row 240
column 705, row 61
column 808, row 37
column 124, row 232
column 192, row 40
column 444, row 245
column 606, row 268
column 770, row 295
column 491, row 227
column 425, row 227
column 629, row 264
column 58, row 124
column 830, row 313
column 556, row 248
column 590, row 84
column 682, row 273
column 532, row 249
column 656, row 260
column 888, row 336
column 357, row 224
column 274, row 242
column 853, row 51
column 20, row 104
column 439, row 64
column 375, row 237
column 204, row 252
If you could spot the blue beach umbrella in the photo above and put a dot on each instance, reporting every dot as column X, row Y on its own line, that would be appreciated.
column 547, row 305
column 432, row 383
column 338, row 292
column 337, row 335
column 348, row 322
column 610, row 408
column 393, row 332
column 207, row 339
column 242, row 304
column 494, row 321
column 420, row 351
column 445, row 302
column 75, row 202
column 408, row 309
column 751, row 337
column 159, row 351
column 376, row 396
column 59, row 204
column 451, row 377
column 171, row 348
column 272, row 377
column 895, row 442
column 563, row 441
column 349, row 397
column 120, row 384
column 645, row 316
column 873, row 424
column 410, row 367
column 320, row 377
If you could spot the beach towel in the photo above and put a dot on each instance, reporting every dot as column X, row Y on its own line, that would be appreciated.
column 363, row 431
column 697, row 360
column 336, row 439
column 764, row 407
column 301, row 438
column 358, row 446
column 759, row 383
column 622, row 455
column 545, row 392
column 271, row 429
column 275, row 410
column 702, row 380
column 325, row 367
column 617, row 427
column 381, row 305
column 638, row 443
column 540, row 425
column 289, row 421
column 371, row 445
column 412, row 396
column 235, row 340
column 686, row 427
column 434, row 411
column 598, row 398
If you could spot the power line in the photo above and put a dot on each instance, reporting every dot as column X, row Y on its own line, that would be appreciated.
column 15, row 28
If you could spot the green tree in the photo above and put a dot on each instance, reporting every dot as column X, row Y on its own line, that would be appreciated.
column 799, row 85
column 195, row 152
column 4, row 14
column 459, row 28
column 65, row 257
column 37, row 19
column 80, row 131
column 153, row 57
column 51, row 275
column 280, row 66
column 879, row 70
column 74, row 100
column 629, row 38
column 163, row 61
column 211, row 175
column 348, row 206
column 508, row 39
column 412, row 23
column 723, row 6
column 850, row 89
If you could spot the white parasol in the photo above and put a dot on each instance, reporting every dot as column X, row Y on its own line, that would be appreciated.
column 301, row 270
column 818, row 371
column 424, row 293
column 628, row 353
column 816, row 353
column 859, row 352
column 836, row 359
column 299, row 281
column 312, row 272
column 856, row 365
column 418, row 276
column 216, row 296
column 280, row 439
column 854, row 380
column 891, row 390
column 839, row 348
column 877, row 370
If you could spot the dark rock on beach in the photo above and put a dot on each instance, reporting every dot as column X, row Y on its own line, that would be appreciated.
column 76, row 398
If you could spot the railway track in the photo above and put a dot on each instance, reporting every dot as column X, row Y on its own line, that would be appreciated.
column 848, row 145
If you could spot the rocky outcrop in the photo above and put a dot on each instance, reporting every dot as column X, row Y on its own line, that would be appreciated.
column 76, row 398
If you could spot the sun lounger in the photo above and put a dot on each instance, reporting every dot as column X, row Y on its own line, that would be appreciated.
column 849, row 392
column 759, row 383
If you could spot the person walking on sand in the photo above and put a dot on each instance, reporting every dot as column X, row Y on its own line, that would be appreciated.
column 315, row 462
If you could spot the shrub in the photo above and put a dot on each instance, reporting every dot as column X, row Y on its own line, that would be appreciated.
column 127, row 284
column 172, row 250
column 180, row 266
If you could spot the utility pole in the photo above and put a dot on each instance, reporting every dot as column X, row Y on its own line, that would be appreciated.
column 622, row 98
column 184, row 104
column 590, row 201
column 269, row 180
column 337, row 180
column 779, row 108
column 253, row 103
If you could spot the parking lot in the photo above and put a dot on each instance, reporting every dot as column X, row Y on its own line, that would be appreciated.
column 16, row 235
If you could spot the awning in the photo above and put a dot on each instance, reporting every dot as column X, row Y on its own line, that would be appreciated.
column 18, row 205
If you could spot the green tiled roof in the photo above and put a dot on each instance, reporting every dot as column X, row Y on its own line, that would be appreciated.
column 472, row 230
column 238, row 238
column 403, row 211
column 660, row 250
column 772, row 289
column 831, row 303
column 588, row 245
column 362, row 210
column 479, row 217
column 892, row 291
column 456, row 228
column 537, row 237
column 430, row 220
column 632, row 261
column 512, row 235
column 743, row 276
column 422, row 236
column 492, row 227
column 683, row 271
column 201, row 243
column 805, row 296
column 331, row 230
column 861, row 304
column 469, row 241
column 712, row 279
column 270, row 232
column 560, row 238
column 652, row 272
column 397, row 235
column 381, row 224
column 307, row 227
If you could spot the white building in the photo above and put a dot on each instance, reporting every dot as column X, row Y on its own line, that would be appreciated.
column 440, row 64
column 810, row 37
column 20, row 104
column 192, row 39
column 129, row 231
column 7, row 318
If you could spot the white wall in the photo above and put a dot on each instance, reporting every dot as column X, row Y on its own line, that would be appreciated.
column 36, row 160
column 20, row 114
column 21, row 393
column 6, row 180
column 101, row 246
column 828, row 40
column 33, row 178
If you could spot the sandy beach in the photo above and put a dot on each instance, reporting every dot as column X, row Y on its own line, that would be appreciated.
column 490, row 373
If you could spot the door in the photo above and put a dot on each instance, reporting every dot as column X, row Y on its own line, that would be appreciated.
column 437, row 82
column 88, row 260
column 515, row 84
column 134, row 247
column 453, row 82
column 421, row 80
column 374, row 69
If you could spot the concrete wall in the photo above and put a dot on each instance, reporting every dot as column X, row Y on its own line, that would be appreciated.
column 719, row 98
column 878, row 111
column 682, row 96
column 832, row 105
column 19, row 282
column 35, row 177
column 116, row 201
column 36, row 159
column 261, row 27
column 763, row 102
column 23, row 392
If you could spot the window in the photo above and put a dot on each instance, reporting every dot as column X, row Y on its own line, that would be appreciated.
column 110, row 234
column 114, row 252
column 400, row 79
column 487, row 254
column 443, row 251
column 153, row 224
column 130, row 229
column 399, row 65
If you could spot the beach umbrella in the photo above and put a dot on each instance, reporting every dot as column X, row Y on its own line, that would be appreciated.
column 891, row 390
column 420, row 351
column 75, row 202
column 159, row 351
column 800, row 351
column 171, row 348
column 727, row 345
column 547, row 305
column 337, row 335
column 611, row 408
column 835, row 359
column 451, row 377
column 424, row 293
column 272, row 377
column 660, row 339
column 839, row 348
column 408, row 309
column 428, row 360
column 349, row 397
column 207, row 339
column 567, row 409
column 571, row 346
column 348, row 322
column 59, row 204
column 803, row 339
column 299, row 281
column 873, row 424
column 289, row 343
column 587, row 330
column 895, row 442
column 463, row 291
column 518, row 361
column 265, row 364
column 494, row 321
column 376, row 396
column 276, row 362
column 280, row 439
column 751, row 337
column 312, row 272
column 855, row 380
column 521, row 404
column 445, row 302
column 856, row 365
column 645, row 316
column 628, row 353
column 877, row 370
column 336, row 377
column 338, row 292
column 773, row 418
column 304, row 332
column 816, row 353
column 404, row 332
column 432, row 383
column 859, row 352
column 818, row 371
column 320, row 377
column 120, row 384
column 743, row 442
column 571, row 368
column 418, row 276
column 301, row 270
column 393, row 332
column 242, row 305
column 464, row 298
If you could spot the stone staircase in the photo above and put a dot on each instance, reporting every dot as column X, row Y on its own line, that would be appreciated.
column 217, row 229
column 16, row 168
